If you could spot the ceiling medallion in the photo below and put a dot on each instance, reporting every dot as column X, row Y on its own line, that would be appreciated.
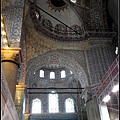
column 57, row 5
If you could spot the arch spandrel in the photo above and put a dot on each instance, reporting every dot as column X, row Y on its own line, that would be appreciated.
column 57, row 58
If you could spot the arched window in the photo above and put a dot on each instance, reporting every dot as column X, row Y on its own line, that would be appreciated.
column 36, row 106
column 69, row 106
column 52, row 75
column 63, row 75
column 71, row 72
column 53, row 102
column 41, row 73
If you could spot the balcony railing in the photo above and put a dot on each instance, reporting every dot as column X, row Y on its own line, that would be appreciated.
column 110, row 79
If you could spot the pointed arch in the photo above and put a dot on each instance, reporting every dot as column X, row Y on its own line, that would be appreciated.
column 60, row 58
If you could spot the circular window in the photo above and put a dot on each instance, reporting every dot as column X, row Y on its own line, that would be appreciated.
column 58, row 3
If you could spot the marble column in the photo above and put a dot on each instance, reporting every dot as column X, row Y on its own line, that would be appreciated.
column 11, row 60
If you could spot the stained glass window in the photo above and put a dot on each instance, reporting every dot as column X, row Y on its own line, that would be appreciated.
column 36, row 106
column 69, row 105
column 41, row 73
column 53, row 102
column 52, row 75
column 63, row 75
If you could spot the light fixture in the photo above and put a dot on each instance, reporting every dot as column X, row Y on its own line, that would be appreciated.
column 2, row 25
column 53, row 92
column 73, row 1
column 5, row 40
column 116, row 51
column 116, row 88
column 3, row 33
column 106, row 99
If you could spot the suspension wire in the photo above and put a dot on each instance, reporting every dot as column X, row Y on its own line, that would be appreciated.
column 56, row 19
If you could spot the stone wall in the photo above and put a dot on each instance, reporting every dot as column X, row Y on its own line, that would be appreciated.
column 100, row 57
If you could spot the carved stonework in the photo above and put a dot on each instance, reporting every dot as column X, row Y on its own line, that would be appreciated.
column 100, row 57
column 61, row 59
column 11, row 54
column 13, row 20
column 62, row 4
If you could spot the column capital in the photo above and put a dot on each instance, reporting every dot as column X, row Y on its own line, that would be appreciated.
column 21, row 86
column 27, row 115
column 11, row 55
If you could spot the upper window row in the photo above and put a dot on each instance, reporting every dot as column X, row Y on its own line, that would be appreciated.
column 52, row 74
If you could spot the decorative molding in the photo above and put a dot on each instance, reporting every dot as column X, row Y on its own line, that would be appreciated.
column 72, row 116
column 61, row 59
column 100, row 57
column 12, row 55
column 61, row 38
column 56, row 8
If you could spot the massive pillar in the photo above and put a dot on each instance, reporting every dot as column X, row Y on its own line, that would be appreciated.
column 13, row 18
column 10, row 62
column 92, row 109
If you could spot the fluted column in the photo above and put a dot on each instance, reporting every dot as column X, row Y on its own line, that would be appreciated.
column 11, row 60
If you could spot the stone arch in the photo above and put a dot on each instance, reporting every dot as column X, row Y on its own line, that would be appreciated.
column 55, row 57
